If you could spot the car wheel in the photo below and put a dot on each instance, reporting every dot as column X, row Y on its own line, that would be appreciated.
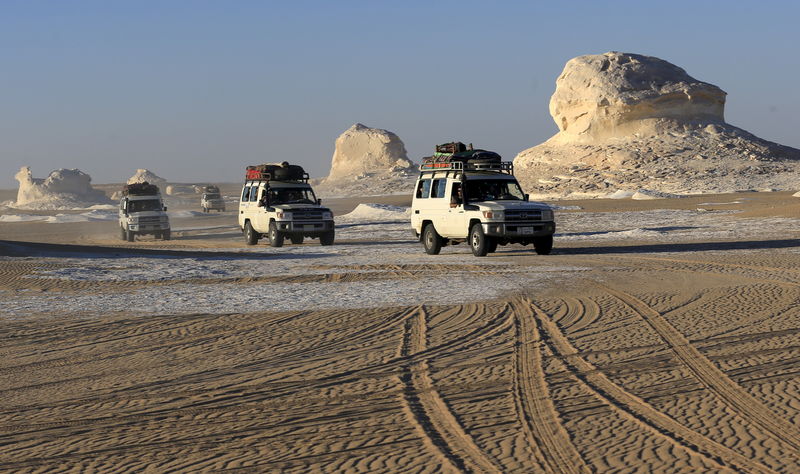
column 478, row 240
column 327, row 238
column 122, row 234
column 275, row 236
column 543, row 245
column 296, row 239
column 250, row 235
column 166, row 235
column 431, row 240
column 130, row 235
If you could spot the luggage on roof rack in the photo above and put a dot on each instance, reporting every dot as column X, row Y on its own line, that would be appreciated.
column 453, row 147
column 278, row 172
column 210, row 188
column 140, row 189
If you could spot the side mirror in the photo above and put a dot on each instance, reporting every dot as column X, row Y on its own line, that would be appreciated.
column 527, row 196
column 260, row 204
column 319, row 202
column 165, row 208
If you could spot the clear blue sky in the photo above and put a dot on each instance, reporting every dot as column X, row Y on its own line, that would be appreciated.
column 196, row 90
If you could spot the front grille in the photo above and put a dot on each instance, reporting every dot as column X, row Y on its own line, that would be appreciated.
column 149, row 220
column 307, row 215
column 527, row 215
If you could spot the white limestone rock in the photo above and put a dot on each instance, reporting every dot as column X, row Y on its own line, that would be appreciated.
column 143, row 175
column 368, row 161
column 628, row 121
column 62, row 189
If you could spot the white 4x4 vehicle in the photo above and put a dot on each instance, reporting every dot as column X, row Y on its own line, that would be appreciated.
column 285, row 208
column 212, row 200
column 141, row 211
column 473, row 196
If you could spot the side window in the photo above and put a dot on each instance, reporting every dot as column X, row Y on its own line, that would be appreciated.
column 246, row 194
column 423, row 188
column 439, row 186
column 254, row 194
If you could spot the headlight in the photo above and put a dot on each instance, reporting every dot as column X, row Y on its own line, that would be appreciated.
column 547, row 215
column 493, row 214
column 327, row 215
column 284, row 215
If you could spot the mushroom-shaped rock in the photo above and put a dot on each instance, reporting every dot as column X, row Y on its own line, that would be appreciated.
column 62, row 189
column 143, row 175
column 628, row 121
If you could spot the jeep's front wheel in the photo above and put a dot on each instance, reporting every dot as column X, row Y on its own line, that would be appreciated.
column 543, row 245
column 478, row 240
column 130, row 235
column 431, row 240
column 327, row 238
column 275, row 236
column 250, row 235
column 122, row 234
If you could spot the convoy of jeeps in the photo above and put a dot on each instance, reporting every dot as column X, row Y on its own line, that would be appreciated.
column 462, row 195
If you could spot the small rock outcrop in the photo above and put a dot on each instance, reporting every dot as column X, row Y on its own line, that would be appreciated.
column 368, row 160
column 628, row 121
column 62, row 189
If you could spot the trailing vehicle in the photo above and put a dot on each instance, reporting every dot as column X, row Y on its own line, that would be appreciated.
column 468, row 195
column 278, row 203
column 142, row 211
column 212, row 200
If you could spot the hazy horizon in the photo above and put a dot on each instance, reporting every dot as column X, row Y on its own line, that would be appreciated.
column 195, row 91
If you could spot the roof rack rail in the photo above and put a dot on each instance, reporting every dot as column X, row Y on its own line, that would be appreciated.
column 496, row 166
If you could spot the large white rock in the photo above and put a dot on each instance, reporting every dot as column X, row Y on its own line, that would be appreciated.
column 628, row 121
column 62, row 189
column 143, row 175
column 363, row 150
column 618, row 94
column 368, row 161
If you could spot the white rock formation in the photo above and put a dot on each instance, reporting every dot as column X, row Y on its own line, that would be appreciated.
column 368, row 160
column 628, row 121
column 62, row 189
column 143, row 175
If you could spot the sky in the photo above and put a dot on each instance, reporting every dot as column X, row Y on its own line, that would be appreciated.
column 197, row 90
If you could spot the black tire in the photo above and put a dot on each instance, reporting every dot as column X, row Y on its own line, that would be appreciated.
column 543, row 245
column 122, row 234
column 166, row 235
column 478, row 241
column 130, row 235
column 327, row 238
column 275, row 236
column 296, row 239
column 250, row 235
column 431, row 240
column 492, row 244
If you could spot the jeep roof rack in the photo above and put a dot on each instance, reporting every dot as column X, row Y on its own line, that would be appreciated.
column 278, row 172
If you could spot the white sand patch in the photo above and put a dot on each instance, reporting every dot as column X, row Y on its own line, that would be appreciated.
column 643, row 194
column 376, row 213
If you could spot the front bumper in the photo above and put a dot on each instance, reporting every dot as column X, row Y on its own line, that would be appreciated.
column 519, row 230
column 148, row 228
column 304, row 227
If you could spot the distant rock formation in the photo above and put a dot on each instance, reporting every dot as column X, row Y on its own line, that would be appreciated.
column 143, row 175
column 368, row 160
column 628, row 121
column 62, row 189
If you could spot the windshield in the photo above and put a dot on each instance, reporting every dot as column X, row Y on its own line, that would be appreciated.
column 146, row 205
column 291, row 196
column 212, row 196
column 493, row 190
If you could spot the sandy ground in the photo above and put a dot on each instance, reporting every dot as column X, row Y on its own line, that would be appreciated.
column 660, row 336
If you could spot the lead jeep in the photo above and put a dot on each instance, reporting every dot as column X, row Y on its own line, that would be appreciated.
column 468, row 195
column 277, row 202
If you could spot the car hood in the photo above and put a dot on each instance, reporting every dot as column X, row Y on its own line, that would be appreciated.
column 300, row 207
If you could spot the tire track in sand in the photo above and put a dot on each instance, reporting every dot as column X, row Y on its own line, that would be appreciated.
column 430, row 414
column 638, row 410
column 713, row 378
column 552, row 445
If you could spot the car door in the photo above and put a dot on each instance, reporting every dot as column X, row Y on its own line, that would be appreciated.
column 260, row 212
column 455, row 225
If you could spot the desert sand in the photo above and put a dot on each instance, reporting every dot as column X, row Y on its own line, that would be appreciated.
column 660, row 336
